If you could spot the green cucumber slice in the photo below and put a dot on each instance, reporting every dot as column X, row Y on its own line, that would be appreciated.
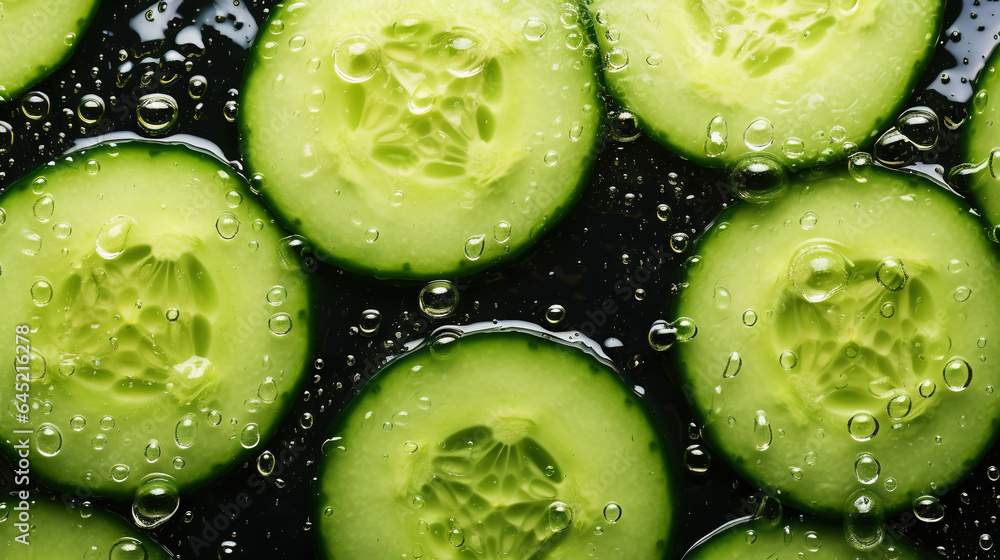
column 981, row 142
column 495, row 444
column 716, row 80
column 166, row 335
column 36, row 37
column 426, row 141
column 67, row 530
column 845, row 336
column 797, row 537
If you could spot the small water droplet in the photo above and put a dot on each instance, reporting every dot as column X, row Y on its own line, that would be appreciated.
column 128, row 548
column 758, row 178
column 112, row 239
column 560, row 517
column 818, row 272
column 534, row 28
column 268, row 390
column 788, row 359
column 228, row 225
column 663, row 212
column 77, row 423
column 6, row 140
column 749, row 317
column 35, row 105
column 899, row 407
column 762, row 434
column 186, row 431
column 91, row 108
column 371, row 319
column 887, row 310
column 474, row 247
column 119, row 472
column 371, row 235
column 616, row 59
column 250, row 436
column 718, row 137
column 41, row 292
column 277, row 295
column 927, row 388
column 733, row 365
column 410, row 447
column 197, row 86
column 867, row 469
column 612, row 512
column 962, row 294
column 697, row 459
column 152, row 451
column 156, row 113
column 48, row 439
column 759, row 135
column 928, row 509
column 865, row 526
column 555, row 314
column 266, row 463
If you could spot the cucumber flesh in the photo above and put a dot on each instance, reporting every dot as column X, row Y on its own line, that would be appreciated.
column 844, row 339
column 717, row 80
column 425, row 143
column 69, row 530
column 981, row 143
column 160, row 330
column 798, row 537
column 495, row 444
column 36, row 36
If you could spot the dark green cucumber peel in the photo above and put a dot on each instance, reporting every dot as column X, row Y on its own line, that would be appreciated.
column 845, row 336
column 167, row 337
column 42, row 528
column 797, row 80
column 495, row 443
column 434, row 143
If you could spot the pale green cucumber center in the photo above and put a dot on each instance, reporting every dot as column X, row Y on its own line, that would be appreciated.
column 857, row 339
column 487, row 493
column 134, row 318
column 422, row 102
column 753, row 39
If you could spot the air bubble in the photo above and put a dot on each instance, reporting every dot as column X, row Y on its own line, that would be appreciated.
column 438, row 299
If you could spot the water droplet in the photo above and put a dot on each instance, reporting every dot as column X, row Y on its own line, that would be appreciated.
column 266, row 463
column 685, row 328
column 371, row 319
column 788, row 359
column 679, row 242
column 928, row 509
column 99, row 441
column 793, row 147
column 612, row 512
column 228, row 225
column 418, row 502
column 90, row 110
column 818, row 272
column 277, row 295
column 371, row 235
column 35, row 105
column 156, row 112
column 113, row 236
column 534, row 28
column 48, row 439
column 624, row 126
column 808, row 220
column 357, row 57
column 891, row 274
column 750, row 537
column 268, row 390
column 456, row 537
column 697, row 459
column 867, row 469
column 663, row 212
column 560, row 517
column 6, row 140
column 280, row 323
column 862, row 426
column 250, row 436
column 962, row 294
column 759, row 135
column 41, row 292
column 890, row 484
column 474, row 247
column 985, row 541
column 887, row 310
column 957, row 373
column 749, row 317
column 186, row 431
column 128, row 548
column 616, row 59
column 77, row 423
column 865, row 528
column 178, row 463
column 718, row 137
column 152, row 451
column 156, row 501
column 197, row 87
column 813, row 541
column 899, row 407
column 762, row 434
column 119, row 472
column 733, row 365
column 410, row 447
column 920, row 126
column 662, row 336
column 555, row 314
column 438, row 299
column 758, row 178
column 44, row 207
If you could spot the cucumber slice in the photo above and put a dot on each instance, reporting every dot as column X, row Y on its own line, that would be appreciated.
column 495, row 444
column 845, row 336
column 716, row 80
column 798, row 537
column 421, row 141
column 981, row 142
column 69, row 530
column 166, row 335
column 36, row 37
